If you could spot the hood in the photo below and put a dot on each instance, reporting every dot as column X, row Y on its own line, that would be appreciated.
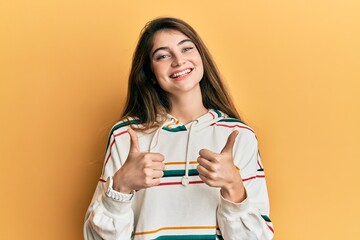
column 172, row 124
column 212, row 116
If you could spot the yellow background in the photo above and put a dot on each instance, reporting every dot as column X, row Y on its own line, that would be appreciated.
column 292, row 67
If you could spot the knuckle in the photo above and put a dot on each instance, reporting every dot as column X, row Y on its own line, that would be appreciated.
column 147, row 164
column 217, row 158
column 147, row 156
column 147, row 182
column 147, row 171
column 215, row 167
column 212, row 176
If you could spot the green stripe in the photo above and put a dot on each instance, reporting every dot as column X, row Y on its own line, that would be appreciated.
column 120, row 125
column 177, row 173
column 184, row 237
column 266, row 218
column 231, row 120
column 218, row 113
column 123, row 124
column 220, row 237
column 177, row 129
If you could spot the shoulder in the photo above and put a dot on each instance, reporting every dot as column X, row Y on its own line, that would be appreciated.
column 123, row 125
column 233, row 124
column 118, row 130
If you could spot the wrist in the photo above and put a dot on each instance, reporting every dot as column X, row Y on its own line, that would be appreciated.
column 235, row 192
column 119, row 186
column 110, row 192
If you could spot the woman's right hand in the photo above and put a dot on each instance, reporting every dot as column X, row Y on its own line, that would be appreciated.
column 140, row 170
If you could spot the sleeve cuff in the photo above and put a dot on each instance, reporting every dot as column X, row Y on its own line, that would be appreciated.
column 228, row 208
column 115, row 207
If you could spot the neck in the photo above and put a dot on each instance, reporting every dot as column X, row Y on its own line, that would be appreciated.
column 187, row 107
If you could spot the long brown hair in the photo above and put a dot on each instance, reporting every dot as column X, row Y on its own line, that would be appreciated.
column 146, row 101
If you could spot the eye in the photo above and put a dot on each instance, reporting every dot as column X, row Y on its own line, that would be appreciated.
column 161, row 57
column 188, row 49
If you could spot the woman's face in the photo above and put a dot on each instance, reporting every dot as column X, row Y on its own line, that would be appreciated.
column 176, row 63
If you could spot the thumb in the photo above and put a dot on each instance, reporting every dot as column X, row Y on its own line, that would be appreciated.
column 230, row 142
column 134, row 142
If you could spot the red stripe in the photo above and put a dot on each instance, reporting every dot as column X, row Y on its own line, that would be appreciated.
column 212, row 115
column 120, row 133
column 249, row 178
column 108, row 157
column 101, row 180
column 112, row 143
column 178, row 183
column 259, row 164
column 270, row 228
column 231, row 126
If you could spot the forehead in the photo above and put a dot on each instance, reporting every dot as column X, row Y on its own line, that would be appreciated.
column 167, row 37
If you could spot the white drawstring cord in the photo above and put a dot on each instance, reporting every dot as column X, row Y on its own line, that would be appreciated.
column 185, row 178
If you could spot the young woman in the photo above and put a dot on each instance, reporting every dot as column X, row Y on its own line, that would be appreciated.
column 179, row 165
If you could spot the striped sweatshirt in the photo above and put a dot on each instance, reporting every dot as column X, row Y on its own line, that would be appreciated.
column 176, row 209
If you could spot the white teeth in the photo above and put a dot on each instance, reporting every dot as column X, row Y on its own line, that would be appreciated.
column 180, row 73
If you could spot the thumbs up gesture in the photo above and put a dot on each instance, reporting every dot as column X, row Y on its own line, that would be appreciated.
column 218, row 170
column 140, row 170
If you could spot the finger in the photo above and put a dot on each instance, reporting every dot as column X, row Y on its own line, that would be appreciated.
column 207, row 181
column 202, row 171
column 157, row 157
column 158, row 174
column 205, row 163
column 158, row 166
column 155, row 182
column 134, row 142
column 230, row 142
column 209, row 155
column 203, row 178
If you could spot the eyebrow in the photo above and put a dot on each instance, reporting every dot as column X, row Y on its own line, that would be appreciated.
column 167, row 48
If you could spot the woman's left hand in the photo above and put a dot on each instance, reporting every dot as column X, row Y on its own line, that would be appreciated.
column 218, row 170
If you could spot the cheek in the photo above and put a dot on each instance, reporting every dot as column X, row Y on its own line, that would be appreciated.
column 159, row 69
column 198, row 60
column 200, row 66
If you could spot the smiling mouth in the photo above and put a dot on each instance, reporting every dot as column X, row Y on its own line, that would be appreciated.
column 182, row 73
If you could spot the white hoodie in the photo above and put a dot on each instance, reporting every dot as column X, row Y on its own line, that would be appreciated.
column 180, row 209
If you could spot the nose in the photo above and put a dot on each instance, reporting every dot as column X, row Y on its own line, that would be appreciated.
column 178, row 60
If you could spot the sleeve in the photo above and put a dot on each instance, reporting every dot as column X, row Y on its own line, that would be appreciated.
column 250, row 218
column 105, row 217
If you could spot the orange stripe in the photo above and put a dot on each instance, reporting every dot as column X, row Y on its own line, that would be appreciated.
column 175, row 228
column 180, row 163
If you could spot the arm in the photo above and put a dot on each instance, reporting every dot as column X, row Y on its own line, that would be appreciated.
column 249, row 218
column 105, row 217
column 110, row 219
